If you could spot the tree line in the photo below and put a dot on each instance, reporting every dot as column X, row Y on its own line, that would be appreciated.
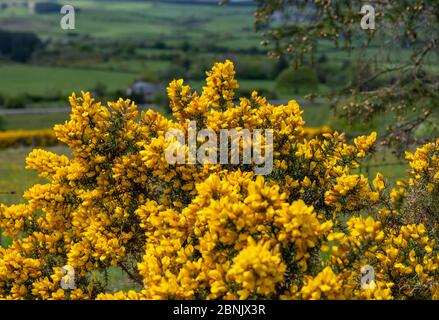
column 18, row 46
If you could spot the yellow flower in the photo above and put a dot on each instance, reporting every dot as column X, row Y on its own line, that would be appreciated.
column 363, row 143
column 378, row 182
column 326, row 285
column 257, row 269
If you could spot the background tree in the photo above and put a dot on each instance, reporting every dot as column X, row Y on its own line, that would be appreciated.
column 395, row 65
column 299, row 80
column 18, row 46
column 2, row 123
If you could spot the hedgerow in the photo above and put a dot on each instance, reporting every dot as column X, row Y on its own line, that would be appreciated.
column 20, row 138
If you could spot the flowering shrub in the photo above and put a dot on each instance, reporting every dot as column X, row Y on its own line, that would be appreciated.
column 45, row 138
column 194, row 231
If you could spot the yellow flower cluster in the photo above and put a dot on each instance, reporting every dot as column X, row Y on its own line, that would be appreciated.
column 326, row 284
column 417, row 196
column 364, row 143
column 43, row 138
column 221, row 85
column 256, row 269
column 13, row 219
column 404, row 259
column 351, row 192
column 193, row 250
column 217, row 231
column 312, row 132
column 424, row 164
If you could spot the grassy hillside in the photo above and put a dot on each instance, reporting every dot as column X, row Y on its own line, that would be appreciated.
column 138, row 19
column 18, row 78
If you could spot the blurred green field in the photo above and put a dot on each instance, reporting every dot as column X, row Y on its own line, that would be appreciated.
column 34, row 121
column 110, row 27
column 228, row 27
column 128, row 19
column 95, row 51
column 21, row 79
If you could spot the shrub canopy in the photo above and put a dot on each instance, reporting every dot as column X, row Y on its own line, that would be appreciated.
column 194, row 231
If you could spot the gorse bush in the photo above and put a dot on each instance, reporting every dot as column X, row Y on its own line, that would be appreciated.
column 204, row 231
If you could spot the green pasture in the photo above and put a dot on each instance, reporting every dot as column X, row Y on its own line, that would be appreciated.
column 21, row 79
column 131, row 19
column 34, row 121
